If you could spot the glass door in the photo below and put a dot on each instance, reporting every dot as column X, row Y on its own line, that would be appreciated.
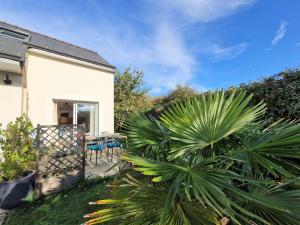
column 86, row 114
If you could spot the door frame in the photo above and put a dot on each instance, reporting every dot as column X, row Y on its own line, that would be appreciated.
column 75, row 107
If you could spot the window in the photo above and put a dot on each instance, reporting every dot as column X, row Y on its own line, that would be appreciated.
column 70, row 112
column 14, row 34
column 86, row 115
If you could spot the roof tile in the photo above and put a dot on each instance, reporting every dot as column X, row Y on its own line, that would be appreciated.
column 17, row 48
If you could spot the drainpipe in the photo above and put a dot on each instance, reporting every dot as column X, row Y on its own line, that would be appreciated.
column 24, row 103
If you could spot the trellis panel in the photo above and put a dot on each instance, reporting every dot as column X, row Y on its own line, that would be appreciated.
column 60, row 156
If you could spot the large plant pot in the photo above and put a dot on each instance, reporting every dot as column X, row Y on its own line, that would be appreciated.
column 13, row 193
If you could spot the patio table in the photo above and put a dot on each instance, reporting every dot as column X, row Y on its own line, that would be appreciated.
column 104, row 136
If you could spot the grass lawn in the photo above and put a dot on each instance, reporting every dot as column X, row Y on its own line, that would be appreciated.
column 64, row 208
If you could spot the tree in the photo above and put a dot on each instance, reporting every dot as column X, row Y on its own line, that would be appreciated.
column 207, row 161
column 130, row 96
column 180, row 93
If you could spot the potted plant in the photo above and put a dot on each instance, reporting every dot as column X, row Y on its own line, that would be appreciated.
column 17, row 158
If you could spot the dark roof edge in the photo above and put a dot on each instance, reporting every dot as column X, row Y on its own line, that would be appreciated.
column 30, row 31
column 70, row 56
column 89, row 59
column 12, row 57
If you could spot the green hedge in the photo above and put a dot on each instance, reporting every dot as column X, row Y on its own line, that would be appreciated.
column 281, row 93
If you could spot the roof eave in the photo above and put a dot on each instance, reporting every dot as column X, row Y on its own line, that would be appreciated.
column 70, row 59
column 12, row 57
column 70, row 56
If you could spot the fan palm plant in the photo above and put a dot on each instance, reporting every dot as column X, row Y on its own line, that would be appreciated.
column 207, row 160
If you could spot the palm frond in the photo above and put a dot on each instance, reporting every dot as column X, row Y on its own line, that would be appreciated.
column 287, row 201
column 276, row 149
column 144, row 204
column 200, row 180
column 201, row 122
column 147, row 136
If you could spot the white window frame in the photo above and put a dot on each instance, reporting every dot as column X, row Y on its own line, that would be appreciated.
column 75, row 109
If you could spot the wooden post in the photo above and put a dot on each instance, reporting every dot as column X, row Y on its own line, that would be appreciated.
column 83, row 153
column 37, row 155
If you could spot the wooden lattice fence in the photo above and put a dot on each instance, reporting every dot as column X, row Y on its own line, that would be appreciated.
column 60, row 157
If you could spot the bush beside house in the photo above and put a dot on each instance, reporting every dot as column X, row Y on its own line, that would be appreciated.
column 17, row 149
column 17, row 162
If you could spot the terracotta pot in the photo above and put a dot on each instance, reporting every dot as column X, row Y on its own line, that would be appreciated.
column 13, row 193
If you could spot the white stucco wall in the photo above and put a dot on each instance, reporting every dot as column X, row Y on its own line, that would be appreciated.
column 10, row 98
column 50, row 77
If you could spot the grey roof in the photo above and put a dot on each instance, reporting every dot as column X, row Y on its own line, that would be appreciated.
column 15, row 49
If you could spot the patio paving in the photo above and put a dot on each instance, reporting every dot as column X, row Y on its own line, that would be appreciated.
column 103, row 165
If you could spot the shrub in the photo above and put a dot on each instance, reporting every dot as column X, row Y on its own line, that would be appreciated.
column 281, row 93
column 17, row 152
column 207, row 161
column 130, row 96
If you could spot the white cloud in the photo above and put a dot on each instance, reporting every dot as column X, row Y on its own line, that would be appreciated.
column 223, row 53
column 203, row 10
column 163, row 56
column 172, row 57
column 280, row 33
column 163, row 52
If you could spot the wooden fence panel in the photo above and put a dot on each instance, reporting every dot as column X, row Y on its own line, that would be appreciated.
column 60, row 157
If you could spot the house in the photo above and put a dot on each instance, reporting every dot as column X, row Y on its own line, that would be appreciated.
column 54, row 82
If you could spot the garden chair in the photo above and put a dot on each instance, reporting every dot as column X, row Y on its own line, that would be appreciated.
column 95, row 147
column 113, row 145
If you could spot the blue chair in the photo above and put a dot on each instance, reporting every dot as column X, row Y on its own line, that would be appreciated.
column 91, row 143
column 113, row 145
column 95, row 148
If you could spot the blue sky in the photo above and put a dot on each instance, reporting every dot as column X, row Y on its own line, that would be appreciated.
column 207, row 44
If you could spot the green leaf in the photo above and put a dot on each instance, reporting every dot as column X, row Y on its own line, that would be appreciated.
column 203, row 121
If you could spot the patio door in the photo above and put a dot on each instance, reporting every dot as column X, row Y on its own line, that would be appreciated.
column 72, row 112
column 86, row 114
